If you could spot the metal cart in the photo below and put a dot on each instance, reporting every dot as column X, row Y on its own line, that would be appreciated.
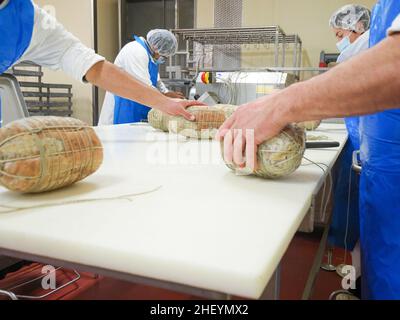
column 42, row 99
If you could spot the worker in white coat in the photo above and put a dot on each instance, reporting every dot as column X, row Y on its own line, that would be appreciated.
column 141, row 59
column 30, row 33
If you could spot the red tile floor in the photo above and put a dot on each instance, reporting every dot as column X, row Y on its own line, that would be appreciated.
column 295, row 267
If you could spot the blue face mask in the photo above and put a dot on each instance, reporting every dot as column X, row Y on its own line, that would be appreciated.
column 343, row 44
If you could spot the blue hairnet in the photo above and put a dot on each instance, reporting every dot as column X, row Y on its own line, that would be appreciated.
column 352, row 17
column 163, row 41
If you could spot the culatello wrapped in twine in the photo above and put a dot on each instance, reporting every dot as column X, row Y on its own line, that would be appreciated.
column 158, row 120
column 309, row 125
column 40, row 154
column 208, row 121
column 278, row 157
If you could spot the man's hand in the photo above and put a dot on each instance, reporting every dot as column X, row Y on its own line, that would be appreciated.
column 175, row 95
column 347, row 90
column 177, row 107
column 250, row 126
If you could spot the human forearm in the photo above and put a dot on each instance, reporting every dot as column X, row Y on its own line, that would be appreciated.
column 111, row 78
column 367, row 84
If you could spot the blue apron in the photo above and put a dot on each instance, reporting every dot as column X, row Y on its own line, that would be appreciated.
column 16, row 27
column 127, row 111
column 353, row 128
column 345, row 227
column 343, row 232
column 380, row 185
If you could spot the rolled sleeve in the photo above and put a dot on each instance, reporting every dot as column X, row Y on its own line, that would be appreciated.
column 395, row 28
column 78, row 59
column 52, row 46
column 161, row 86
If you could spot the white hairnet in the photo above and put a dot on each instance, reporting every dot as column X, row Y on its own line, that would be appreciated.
column 163, row 41
column 352, row 17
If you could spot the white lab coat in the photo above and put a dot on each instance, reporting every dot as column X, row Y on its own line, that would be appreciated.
column 54, row 47
column 133, row 58
column 358, row 46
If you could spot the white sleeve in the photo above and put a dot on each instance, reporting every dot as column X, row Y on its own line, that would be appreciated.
column 161, row 86
column 54, row 47
column 395, row 26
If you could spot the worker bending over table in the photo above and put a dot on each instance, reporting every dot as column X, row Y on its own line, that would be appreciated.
column 141, row 58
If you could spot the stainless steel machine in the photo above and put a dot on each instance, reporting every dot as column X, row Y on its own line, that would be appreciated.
column 236, row 64
column 226, row 49
column 216, row 49
column 240, row 87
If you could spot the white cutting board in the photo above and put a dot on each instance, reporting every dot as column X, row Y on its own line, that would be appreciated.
column 201, row 225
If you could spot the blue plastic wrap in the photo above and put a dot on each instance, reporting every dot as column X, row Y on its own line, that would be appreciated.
column 380, row 185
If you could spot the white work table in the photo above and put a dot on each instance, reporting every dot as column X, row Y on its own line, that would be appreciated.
column 201, row 226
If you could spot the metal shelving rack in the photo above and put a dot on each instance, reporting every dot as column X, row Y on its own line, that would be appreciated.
column 271, row 38
column 41, row 98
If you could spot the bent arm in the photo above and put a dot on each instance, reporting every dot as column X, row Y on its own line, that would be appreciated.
column 111, row 78
column 367, row 84
column 54, row 47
